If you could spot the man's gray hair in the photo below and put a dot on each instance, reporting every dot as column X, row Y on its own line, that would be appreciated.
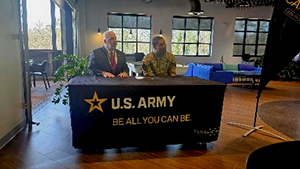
column 106, row 33
column 155, row 40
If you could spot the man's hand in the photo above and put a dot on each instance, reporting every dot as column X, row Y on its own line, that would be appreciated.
column 107, row 75
column 123, row 74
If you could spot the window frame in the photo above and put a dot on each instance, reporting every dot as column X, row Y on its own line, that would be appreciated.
column 257, row 32
column 122, row 41
column 185, row 29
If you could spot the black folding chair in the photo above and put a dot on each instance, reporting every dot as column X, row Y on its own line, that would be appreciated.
column 40, row 70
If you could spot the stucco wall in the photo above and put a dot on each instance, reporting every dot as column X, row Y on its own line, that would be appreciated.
column 162, row 12
column 11, row 90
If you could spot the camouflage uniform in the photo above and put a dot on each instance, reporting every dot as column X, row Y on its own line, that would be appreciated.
column 165, row 66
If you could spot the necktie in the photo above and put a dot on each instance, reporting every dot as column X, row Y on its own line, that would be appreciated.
column 113, row 61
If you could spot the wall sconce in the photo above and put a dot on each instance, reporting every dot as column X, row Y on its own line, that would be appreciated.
column 99, row 31
column 160, row 32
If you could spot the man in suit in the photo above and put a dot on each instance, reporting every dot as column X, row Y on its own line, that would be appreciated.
column 107, row 60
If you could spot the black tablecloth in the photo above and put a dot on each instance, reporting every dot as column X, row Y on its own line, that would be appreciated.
column 122, row 112
column 144, row 81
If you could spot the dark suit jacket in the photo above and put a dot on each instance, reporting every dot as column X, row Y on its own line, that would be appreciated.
column 99, row 62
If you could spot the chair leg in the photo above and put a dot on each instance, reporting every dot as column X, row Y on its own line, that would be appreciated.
column 34, row 80
column 47, row 79
column 44, row 81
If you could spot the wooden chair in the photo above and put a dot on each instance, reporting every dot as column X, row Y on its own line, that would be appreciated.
column 40, row 70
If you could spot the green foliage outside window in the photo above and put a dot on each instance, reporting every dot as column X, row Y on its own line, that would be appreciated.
column 133, row 32
column 192, row 36
column 40, row 36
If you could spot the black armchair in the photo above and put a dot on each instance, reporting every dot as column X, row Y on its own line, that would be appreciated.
column 40, row 70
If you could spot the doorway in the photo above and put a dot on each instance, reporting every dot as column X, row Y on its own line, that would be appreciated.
column 49, row 29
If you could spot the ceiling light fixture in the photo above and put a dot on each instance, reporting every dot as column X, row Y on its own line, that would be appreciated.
column 195, row 8
column 243, row 3
column 98, row 30
column 160, row 32
column 147, row 1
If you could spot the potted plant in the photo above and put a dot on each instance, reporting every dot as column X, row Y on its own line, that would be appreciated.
column 259, row 62
column 290, row 71
column 72, row 66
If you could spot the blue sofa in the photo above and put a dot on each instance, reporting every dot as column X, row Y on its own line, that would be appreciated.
column 248, row 67
column 209, row 72
column 217, row 71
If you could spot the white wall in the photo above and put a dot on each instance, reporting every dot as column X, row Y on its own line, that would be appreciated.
column 11, row 91
column 162, row 12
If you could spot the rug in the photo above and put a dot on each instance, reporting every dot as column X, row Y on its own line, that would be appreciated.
column 283, row 116
column 40, row 94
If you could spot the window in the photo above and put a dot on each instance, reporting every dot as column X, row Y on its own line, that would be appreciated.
column 133, row 32
column 192, row 36
column 58, row 28
column 250, row 37
column 39, row 25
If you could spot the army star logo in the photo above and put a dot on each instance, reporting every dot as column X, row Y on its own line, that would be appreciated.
column 95, row 103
